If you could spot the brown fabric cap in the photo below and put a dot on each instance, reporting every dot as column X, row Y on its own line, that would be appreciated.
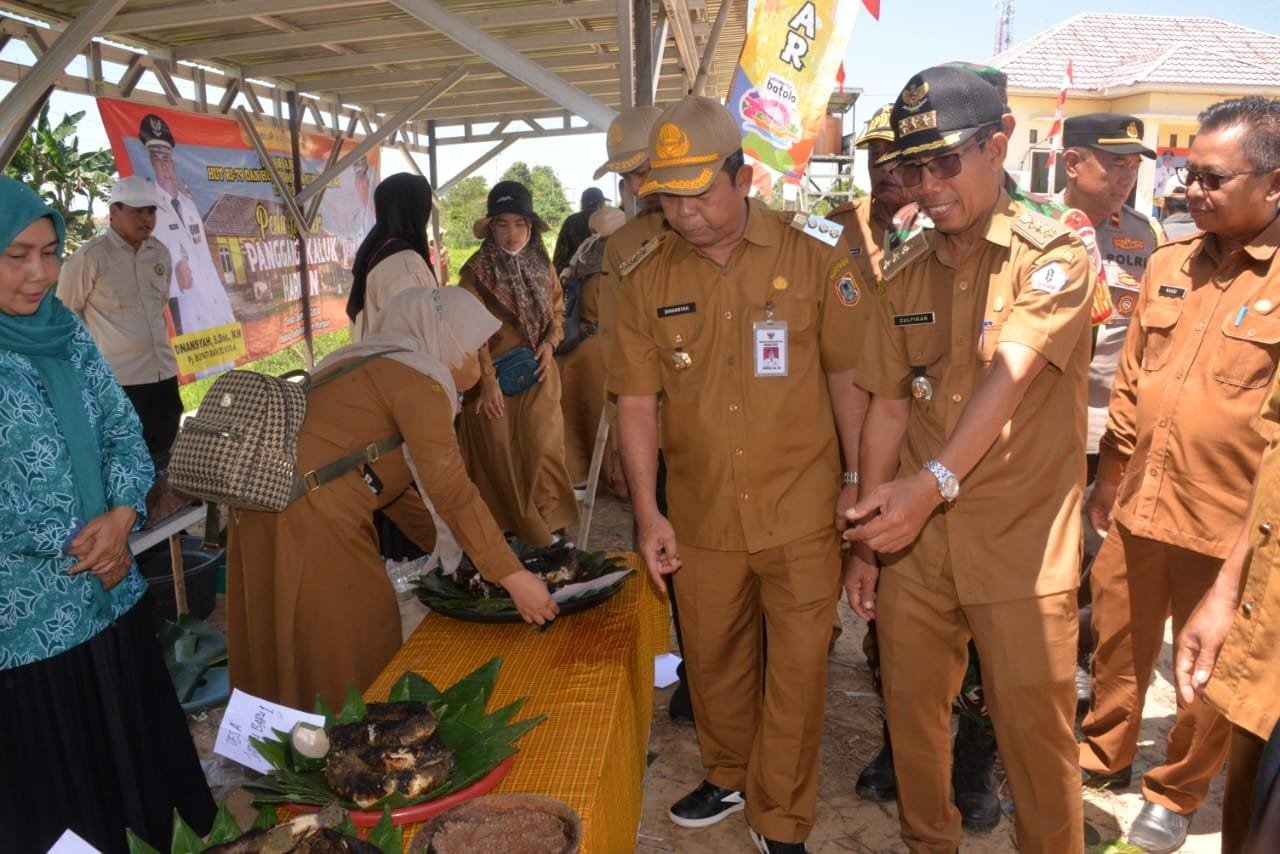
column 688, row 145
column 628, row 140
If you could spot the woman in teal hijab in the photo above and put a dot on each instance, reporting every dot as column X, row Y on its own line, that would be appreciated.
column 91, row 733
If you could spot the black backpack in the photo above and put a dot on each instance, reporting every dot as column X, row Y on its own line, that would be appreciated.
column 587, row 261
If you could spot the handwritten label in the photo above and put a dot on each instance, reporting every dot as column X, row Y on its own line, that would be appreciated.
column 248, row 717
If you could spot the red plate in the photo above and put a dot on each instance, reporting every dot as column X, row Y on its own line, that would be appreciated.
column 423, row 811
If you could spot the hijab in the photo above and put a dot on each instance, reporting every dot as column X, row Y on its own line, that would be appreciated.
column 436, row 328
column 401, row 207
column 519, row 283
column 45, row 338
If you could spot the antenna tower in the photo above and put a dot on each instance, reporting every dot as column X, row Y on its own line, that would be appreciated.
column 1004, row 25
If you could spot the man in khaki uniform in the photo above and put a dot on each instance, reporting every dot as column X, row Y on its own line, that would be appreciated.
column 868, row 228
column 976, row 362
column 118, row 283
column 1178, row 456
column 734, row 320
column 1230, row 643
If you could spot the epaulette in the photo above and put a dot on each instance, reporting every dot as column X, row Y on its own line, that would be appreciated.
column 847, row 207
column 915, row 246
column 1039, row 230
column 817, row 227
column 637, row 258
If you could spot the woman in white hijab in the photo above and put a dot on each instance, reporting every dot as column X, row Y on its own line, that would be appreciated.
column 310, row 610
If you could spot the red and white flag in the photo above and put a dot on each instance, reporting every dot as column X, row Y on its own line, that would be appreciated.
column 1055, row 132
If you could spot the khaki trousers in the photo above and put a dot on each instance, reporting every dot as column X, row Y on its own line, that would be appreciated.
column 1137, row 583
column 1028, row 653
column 760, row 722
column 1237, row 801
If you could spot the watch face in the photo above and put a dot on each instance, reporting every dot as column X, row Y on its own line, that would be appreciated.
column 949, row 487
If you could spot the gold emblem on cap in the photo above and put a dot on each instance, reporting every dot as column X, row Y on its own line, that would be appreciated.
column 925, row 121
column 913, row 96
column 672, row 142
column 615, row 133
column 780, row 283
column 1132, row 130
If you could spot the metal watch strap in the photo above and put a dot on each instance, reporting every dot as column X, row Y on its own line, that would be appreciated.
column 849, row 478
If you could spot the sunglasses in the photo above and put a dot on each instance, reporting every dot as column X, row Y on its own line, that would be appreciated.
column 1210, row 181
column 946, row 166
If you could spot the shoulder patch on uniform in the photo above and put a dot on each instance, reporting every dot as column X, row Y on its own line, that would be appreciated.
column 1038, row 230
column 637, row 258
column 817, row 227
column 916, row 246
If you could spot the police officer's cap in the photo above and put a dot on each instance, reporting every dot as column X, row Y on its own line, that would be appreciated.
column 941, row 108
column 1110, row 132
column 154, row 132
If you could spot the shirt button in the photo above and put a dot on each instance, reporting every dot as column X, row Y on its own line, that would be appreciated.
column 960, row 341
column 1199, row 327
column 728, row 315
column 1252, row 332
column 1178, row 375
column 743, row 495
column 738, row 452
column 1264, row 528
column 733, row 407
column 731, row 360
column 957, row 397
column 964, row 286
column 1247, row 609
column 1155, row 472
column 1164, row 422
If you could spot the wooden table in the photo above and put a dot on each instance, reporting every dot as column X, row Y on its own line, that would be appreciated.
column 590, row 673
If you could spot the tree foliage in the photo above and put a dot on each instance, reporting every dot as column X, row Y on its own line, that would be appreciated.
column 461, row 206
column 549, row 199
column 49, row 160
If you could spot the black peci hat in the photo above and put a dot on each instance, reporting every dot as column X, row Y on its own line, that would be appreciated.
column 154, row 132
column 940, row 108
column 1111, row 132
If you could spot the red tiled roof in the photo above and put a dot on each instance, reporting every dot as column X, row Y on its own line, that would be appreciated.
column 1114, row 51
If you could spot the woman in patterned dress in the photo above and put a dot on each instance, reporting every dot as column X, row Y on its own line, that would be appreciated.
column 92, row 737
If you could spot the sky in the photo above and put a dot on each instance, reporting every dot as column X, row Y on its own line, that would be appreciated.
column 882, row 55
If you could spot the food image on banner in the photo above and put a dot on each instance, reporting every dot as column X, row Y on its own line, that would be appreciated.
column 236, row 290
column 784, row 78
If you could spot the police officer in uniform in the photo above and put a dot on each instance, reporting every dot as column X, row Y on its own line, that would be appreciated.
column 735, row 320
column 977, row 362
column 197, row 298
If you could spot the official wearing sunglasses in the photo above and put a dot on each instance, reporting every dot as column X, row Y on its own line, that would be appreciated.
column 944, row 166
column 1211, row 181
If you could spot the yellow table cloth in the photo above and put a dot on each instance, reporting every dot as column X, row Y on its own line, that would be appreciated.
column 591, row 674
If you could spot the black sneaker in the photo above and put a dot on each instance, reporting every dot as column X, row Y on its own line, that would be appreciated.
column 877, row 782
column 973, row 776
column 773, row 846
column 706, row 805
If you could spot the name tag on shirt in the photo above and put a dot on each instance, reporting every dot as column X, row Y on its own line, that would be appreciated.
column 920, row 318
column 770, row 347
column 1172, row 292
column 674, row 310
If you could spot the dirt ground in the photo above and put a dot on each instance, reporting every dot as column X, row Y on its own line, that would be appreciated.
column 850, row 738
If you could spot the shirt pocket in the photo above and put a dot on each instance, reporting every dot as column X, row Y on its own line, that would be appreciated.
column 1158, row 321
column 1246, row 354
column 802, row 331
column 926, row 346
column 680, row 353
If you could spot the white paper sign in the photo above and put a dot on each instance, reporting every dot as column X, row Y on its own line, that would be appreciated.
column 71, row 843
column 248, row 717
column 570, row 590
column 664, row 670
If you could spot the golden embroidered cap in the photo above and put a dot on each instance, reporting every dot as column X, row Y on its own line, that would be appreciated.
column 688, row 145
column 940, row 108
column 628, row 140
column 878, row 127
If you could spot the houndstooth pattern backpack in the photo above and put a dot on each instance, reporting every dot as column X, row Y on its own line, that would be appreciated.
column 240, row 448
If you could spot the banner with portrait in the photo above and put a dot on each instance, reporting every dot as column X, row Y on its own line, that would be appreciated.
column 785, row 77
column 236, row 288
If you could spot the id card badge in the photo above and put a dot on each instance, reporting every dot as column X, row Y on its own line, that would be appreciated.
column 770, row 345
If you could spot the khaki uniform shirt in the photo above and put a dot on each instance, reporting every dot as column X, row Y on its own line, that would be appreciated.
column 1126, row 241
column 1015, row 530
column 622, row 246
column 752, row 462
column 1245, row 685
column 864, row 237
column 121, row 295
column 1190, row 379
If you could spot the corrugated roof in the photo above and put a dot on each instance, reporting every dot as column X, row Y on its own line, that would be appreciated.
column 1113, row 51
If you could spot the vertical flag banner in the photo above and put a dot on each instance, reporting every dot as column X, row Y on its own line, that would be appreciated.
column 785, row 77
column 1055, row 131
column 236, row 290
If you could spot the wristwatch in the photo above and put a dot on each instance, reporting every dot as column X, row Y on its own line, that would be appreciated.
column 849, row 478
column 948, row 483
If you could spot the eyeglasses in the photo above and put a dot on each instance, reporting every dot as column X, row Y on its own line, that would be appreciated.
column 1210, row 181
column 946, row 166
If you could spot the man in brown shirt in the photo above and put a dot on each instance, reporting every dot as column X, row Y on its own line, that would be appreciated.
column 1178, row 456
column 1228, row 654
column 976, row 362
column 734, row 320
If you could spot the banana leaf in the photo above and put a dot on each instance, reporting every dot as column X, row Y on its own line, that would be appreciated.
column 440, row 591
column 479, row 740
column 190, row 647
